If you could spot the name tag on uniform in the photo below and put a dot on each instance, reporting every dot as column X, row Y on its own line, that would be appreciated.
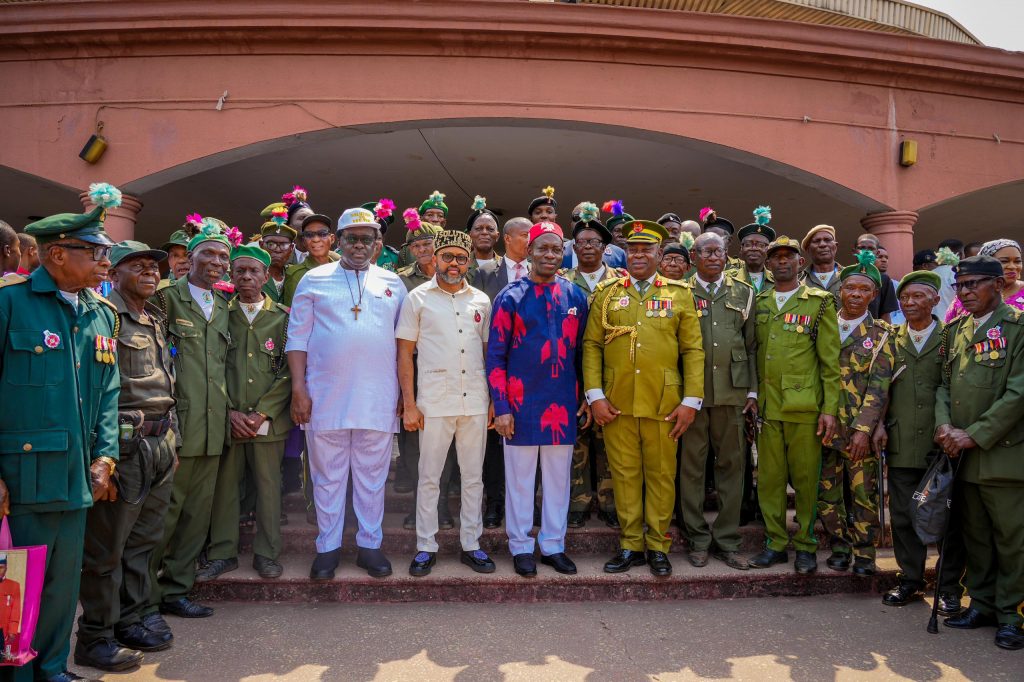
column 183, row 323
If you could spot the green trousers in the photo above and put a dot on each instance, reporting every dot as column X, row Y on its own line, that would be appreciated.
column 63, row 534
column 264, row 462
column 172, row 565
column 720, row 426
column 589, row 447
column 119, row 540
column 862, row 536
column 642, row 459
column 994, row 537
column 788, row 452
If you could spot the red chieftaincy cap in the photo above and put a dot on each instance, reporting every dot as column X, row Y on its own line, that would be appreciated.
column 545, row 227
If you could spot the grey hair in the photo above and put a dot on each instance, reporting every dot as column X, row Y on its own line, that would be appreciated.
column 516, row 222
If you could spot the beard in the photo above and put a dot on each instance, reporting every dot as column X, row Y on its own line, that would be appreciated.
column 448, row 279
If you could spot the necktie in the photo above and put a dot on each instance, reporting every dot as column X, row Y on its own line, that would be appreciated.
column 519, row 271
column 711, row 289
column 642, row 285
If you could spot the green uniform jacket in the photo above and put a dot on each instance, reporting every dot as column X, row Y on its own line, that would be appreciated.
column 388, row 258
column 59, row 403
column 866, row 362
column 271, row 292
column 728, row 326
column 799, row 375
column 742, row 274
column 200, row 351
column 646, row 382
column 412, row 276
column 984, row 395
column 809, row 279
column 294, row 273
column 910, row 421
column 257, row 371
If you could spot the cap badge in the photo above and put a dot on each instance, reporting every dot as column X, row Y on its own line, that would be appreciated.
column 637, row 227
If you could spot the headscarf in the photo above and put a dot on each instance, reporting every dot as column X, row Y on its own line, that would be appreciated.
column 990, row 248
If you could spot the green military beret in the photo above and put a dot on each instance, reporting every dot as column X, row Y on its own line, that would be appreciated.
column 177, row 238
column 436, row 201
column 250, row 251
column 424, row 231
column 211, row 232
column 272, row 228
column 132, row 249
column 865, row 266
column 86, row 227
column 926, row 277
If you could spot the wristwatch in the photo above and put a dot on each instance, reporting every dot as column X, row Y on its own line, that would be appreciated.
column 111, row 462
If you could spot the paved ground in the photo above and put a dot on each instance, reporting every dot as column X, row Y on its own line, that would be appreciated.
column 810, row 639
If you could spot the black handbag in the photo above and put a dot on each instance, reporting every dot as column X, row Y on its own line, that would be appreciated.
column 933, row 500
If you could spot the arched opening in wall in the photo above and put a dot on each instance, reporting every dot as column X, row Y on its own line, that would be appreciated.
column 990, row 213
column 26, row 198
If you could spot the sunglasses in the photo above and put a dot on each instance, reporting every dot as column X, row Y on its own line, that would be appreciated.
column 352, row 240
column 319, row 234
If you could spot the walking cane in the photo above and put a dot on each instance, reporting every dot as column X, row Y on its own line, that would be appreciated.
column 933, row 621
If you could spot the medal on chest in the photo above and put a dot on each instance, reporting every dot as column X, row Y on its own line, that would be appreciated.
column 992, row 349
column 624, row 302
column 659, row 307
column 269, row 344
column 868, row 343
column 105, row 349
column 702, row 306
column 796, row 323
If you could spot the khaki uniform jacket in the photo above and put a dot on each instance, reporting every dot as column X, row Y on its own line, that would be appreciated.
column 574, row 276
column 199, row 349
column 635, row 358
column 982, row 392
column 799, row 375
column 910, row 420
column 728, row 327
column 866, row 361
column 257, row 370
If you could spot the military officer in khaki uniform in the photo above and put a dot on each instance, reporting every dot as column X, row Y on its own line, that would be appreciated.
column 197, row 325
column 910, row 419
column 58, row 425
column 120, row 536
column 259, row 398
column 725, row 308
column 798, row 400
column 590, row 237
column 865, row 370
column 639, row 328
column 980, row 418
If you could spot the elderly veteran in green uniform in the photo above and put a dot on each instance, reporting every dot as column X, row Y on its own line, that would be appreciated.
column 866, row 362
column 58, row 428
column 278, row 239
column 798, row 400
column 259, row 400
column 754, row 240
column 639, row 327
column 725, row 308
column 910, row 420
column 433, row 210
column 176, row 248
column 318, row 236
column 120, row 536
column 980, row 417
column 590, row 237
column 197, row 325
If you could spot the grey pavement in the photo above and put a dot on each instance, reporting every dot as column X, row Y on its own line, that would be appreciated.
column 809, row 639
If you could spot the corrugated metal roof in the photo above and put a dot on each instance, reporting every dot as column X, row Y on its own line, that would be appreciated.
column 888, row 16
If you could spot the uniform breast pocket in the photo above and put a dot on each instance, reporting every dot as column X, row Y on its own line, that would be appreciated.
column 36, row 361
column 266, row 358
column 136, row 355
column 186, row 339
column 34, row 464
column 740, row 368
column 983, row 374
column 433, row 385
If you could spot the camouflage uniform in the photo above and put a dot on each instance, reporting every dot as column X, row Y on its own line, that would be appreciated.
column 866, row 361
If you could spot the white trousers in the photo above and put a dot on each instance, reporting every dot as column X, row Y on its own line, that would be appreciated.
column 520, row 478
column 332, row 455
column 470, row 434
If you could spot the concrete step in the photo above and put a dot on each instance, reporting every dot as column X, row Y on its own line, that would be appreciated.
column 451, row 581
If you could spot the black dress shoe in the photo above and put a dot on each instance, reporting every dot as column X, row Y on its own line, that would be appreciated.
column 971, row 619
column 403, row 485
column 445, row 522
column 493, row 515
column 374, row 561
column 805, row 563
column 839, row 561
column 324, row 565
column 107, row 655
column 267, row 567
column 214, row 569
column 659, row 564
column 136, row 636
column 68, row 676
column 422, row 563
column 625, row 560
column 864, row 567
column 768, row 558
column 478, row 561
column 1010, row 637
column 611, row 519
column 560, row 562
column 902, row 594
column 409, row 522
column 949, row 604
column 525, row 565
column 577, row 519
column 154, row 622
column 186, row 608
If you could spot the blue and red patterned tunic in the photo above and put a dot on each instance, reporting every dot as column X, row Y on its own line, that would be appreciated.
column 533, row 359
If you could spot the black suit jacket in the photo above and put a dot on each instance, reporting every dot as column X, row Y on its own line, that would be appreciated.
column 491, row 278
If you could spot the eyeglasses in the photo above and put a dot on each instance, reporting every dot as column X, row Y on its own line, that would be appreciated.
column 319, row 234
column 596, row 243
column 98, row 252
column 674, row 258
column 970, row 284
column 458, row 258
column 708, row 253
column 352, row 240
column 277, row 246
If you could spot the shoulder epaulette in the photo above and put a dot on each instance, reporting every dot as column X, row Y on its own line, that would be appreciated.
column 605, row 283
column 407, row 270
column 820, row 293
column 678, row 282
column 736, row 280
column 113, row 309
column 14, row 278
column 391, row 249
column 283, row 308
column 1016, row 316
column 105, row 301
